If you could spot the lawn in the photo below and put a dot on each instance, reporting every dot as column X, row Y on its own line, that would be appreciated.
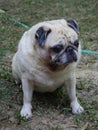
column 50, row 111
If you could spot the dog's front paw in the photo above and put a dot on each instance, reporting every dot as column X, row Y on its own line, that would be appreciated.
column 26, row 111
column 76, row 107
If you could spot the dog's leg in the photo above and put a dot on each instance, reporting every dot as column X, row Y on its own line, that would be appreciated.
column 71, row 90
column 27, row 87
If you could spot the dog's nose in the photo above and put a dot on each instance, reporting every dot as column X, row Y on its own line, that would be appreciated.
column 69, row 49
column 71, row 54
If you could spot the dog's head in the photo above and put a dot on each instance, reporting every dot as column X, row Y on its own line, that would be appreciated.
column 57, row 43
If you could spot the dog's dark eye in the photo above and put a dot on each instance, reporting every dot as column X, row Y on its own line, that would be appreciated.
column 76, row 43
column 57, row 48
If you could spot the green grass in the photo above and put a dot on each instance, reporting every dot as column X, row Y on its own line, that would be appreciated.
column 85, row 12
column 58, row 127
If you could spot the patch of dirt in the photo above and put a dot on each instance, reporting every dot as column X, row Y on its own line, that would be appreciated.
column 43, row 122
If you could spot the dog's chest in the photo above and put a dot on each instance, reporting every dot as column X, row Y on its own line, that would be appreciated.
column 46, row 82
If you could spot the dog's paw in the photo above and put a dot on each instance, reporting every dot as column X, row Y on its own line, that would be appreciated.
column 26, row 111
column 76, row 107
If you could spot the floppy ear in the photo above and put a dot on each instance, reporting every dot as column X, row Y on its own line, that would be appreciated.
column 73, row 24
column 41, row 35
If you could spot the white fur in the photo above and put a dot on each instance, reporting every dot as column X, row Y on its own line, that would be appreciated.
column 76, row 107
column 28, row 69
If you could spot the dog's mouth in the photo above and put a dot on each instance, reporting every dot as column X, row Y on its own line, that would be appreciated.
column 64, row 58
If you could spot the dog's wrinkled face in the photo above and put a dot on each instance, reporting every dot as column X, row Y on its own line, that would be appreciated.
column 58, row 44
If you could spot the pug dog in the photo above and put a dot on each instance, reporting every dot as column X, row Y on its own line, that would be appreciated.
column 46, row 59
